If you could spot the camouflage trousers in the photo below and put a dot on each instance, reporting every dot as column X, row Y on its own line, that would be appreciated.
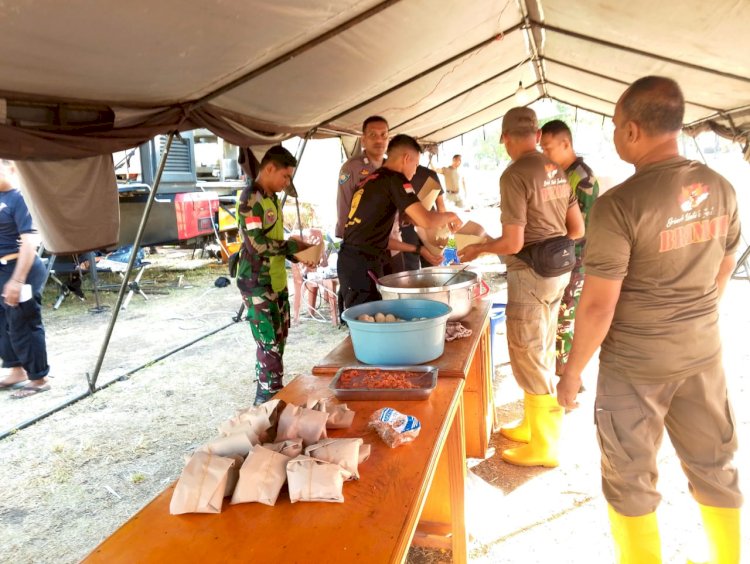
column 566, row 317
column 268, row 316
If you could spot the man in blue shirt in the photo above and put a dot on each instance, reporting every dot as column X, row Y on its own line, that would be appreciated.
column 23, row 347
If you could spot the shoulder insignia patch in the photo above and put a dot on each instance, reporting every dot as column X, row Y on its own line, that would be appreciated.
column 364, row 172
column 408, row 188
column 270, row 218
column 343, row 177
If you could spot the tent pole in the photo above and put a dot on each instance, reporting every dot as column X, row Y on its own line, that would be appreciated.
column 298, row 156
column 133, row 256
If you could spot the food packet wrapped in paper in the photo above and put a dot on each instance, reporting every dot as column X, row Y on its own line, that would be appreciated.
column 261, row 477
column 202, row 484
column 289, row 447
column 308, row 424
column 261, row 420
column 393, row 427
column 233, row 474
column 315, row 480
column 344, row 452
column 339, row 415
column 237, row 443
column 364, row 453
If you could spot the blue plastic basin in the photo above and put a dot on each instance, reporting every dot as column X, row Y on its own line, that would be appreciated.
column 398, row 343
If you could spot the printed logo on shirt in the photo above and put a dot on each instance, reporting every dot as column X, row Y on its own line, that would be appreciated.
column 3, row 206
column 692, row 233
column 408, row 188
column 253, row 222
column 343, row 177
column 551, row 171
column 692, row 196
column 558, row 189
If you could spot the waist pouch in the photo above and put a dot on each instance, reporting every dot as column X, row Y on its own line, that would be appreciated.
column 550, row 258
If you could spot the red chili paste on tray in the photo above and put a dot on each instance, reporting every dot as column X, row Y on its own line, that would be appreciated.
column 378, row 379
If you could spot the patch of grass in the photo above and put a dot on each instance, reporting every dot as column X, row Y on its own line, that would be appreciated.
column 137, row 478
column 62, row 471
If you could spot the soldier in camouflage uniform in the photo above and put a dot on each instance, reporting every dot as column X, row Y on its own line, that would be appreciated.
column 261, row 272
column 557, row 145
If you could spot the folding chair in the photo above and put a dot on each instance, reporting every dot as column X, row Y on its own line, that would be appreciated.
column 55, row 267
column 134, row 285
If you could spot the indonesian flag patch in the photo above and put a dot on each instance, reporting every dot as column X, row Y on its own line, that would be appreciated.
column 253, row 222
column 408, row 188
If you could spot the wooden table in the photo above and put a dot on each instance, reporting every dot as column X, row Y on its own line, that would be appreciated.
column 469, row 358
column 376, row 523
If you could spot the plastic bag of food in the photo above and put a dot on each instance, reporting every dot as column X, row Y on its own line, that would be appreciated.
column 393, row 427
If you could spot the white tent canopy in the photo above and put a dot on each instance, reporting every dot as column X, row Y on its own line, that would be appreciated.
column 79, row 78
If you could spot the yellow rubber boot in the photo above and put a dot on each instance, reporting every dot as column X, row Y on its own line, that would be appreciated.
column 636, row 538
column 722, row 525
column 521, row 432
column 545, row 420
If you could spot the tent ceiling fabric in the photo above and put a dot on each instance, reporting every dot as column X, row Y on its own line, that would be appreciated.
column 256, row 72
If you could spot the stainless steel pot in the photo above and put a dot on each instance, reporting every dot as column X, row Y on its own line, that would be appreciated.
column 430, row 284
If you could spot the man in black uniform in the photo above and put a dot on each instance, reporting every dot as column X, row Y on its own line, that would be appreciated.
column 370, row 219
column 405, row 259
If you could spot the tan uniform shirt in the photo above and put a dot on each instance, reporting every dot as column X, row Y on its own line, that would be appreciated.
column 534, row 192
column 663, row 232
column 452, row 179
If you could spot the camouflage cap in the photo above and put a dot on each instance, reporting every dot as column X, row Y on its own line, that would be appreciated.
column 520, row 120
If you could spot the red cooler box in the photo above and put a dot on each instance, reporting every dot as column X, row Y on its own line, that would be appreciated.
column 195, row 213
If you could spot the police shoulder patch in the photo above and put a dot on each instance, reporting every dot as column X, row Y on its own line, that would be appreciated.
column 343, row 177
column 408, row 188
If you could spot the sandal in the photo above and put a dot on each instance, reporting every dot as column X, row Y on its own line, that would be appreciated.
column 14, row 385
column 28, row 390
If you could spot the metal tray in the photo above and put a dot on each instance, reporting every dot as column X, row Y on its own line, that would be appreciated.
column 426, row 380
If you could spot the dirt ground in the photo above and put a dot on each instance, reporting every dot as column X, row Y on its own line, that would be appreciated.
column 73, row 478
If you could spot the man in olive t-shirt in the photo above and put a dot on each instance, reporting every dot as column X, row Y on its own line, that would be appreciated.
column 660, row 251
column 536, row 204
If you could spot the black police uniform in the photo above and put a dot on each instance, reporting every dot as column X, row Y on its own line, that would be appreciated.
column 366, row 233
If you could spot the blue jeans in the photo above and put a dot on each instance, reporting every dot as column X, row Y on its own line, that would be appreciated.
column 22, row 339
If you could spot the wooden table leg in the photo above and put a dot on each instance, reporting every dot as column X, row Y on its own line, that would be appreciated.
column 443, row 519
column 479, row 402
column 456, row 452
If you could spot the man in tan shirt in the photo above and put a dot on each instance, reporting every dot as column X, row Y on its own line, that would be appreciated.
column 660, row 251
column 455, row 184
column 536, row 204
